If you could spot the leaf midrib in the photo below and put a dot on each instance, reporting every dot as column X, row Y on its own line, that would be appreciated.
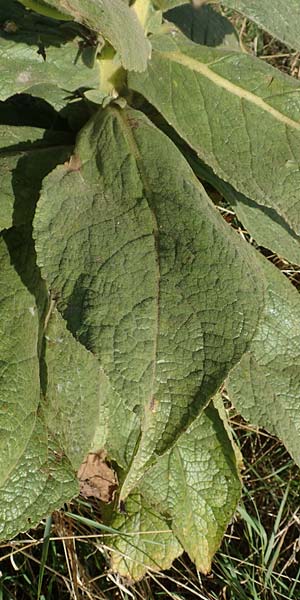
column 239, row 92
column 125, row 125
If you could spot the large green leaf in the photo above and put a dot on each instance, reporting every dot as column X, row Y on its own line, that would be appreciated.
column 22, row 65
column 116, row 22
column 196, row 484
column 47, row 401
column 145, row 542
column 240, row 115
column 262, row 223
column 265, row 385
column 279, row 17
column 145, row 268
column 27, row 155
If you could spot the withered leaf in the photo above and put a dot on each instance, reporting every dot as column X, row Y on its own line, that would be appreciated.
column 97, row 479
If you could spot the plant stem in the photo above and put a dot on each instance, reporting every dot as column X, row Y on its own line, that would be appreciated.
column 141, row 8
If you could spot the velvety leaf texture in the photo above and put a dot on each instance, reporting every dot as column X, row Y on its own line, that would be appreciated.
column 22, row 64
column 240, row 115
column 116, row 22
column 142, row 264
column 278, row 17
column 265, row 385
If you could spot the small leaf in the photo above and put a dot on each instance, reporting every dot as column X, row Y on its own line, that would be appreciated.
column 97, row 479
column 265, row 384
column 278, row 17
column 196, row 484
column 145, row 541
column 240, row 115
column 116, row 22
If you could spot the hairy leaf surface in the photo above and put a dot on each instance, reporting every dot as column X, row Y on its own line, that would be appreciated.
column 240, row 115
column 144, row 268
column 265, row 385
column 31, row 483
column 19, row 379
column 116, row 22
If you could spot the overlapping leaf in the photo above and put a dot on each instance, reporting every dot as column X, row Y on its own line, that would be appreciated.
column 190, row 493
column 196, row 484
column 262, row 223
column 145, row 541
column 74, row 408
column 19, row 363
column 40, row 482
column 278, row 17
column 116, row 22
column 240, row 115
column 23, row 110
column 37, row 473
column 144, row 268
column 27, row 155
column 265, row 385
column 26, row 41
